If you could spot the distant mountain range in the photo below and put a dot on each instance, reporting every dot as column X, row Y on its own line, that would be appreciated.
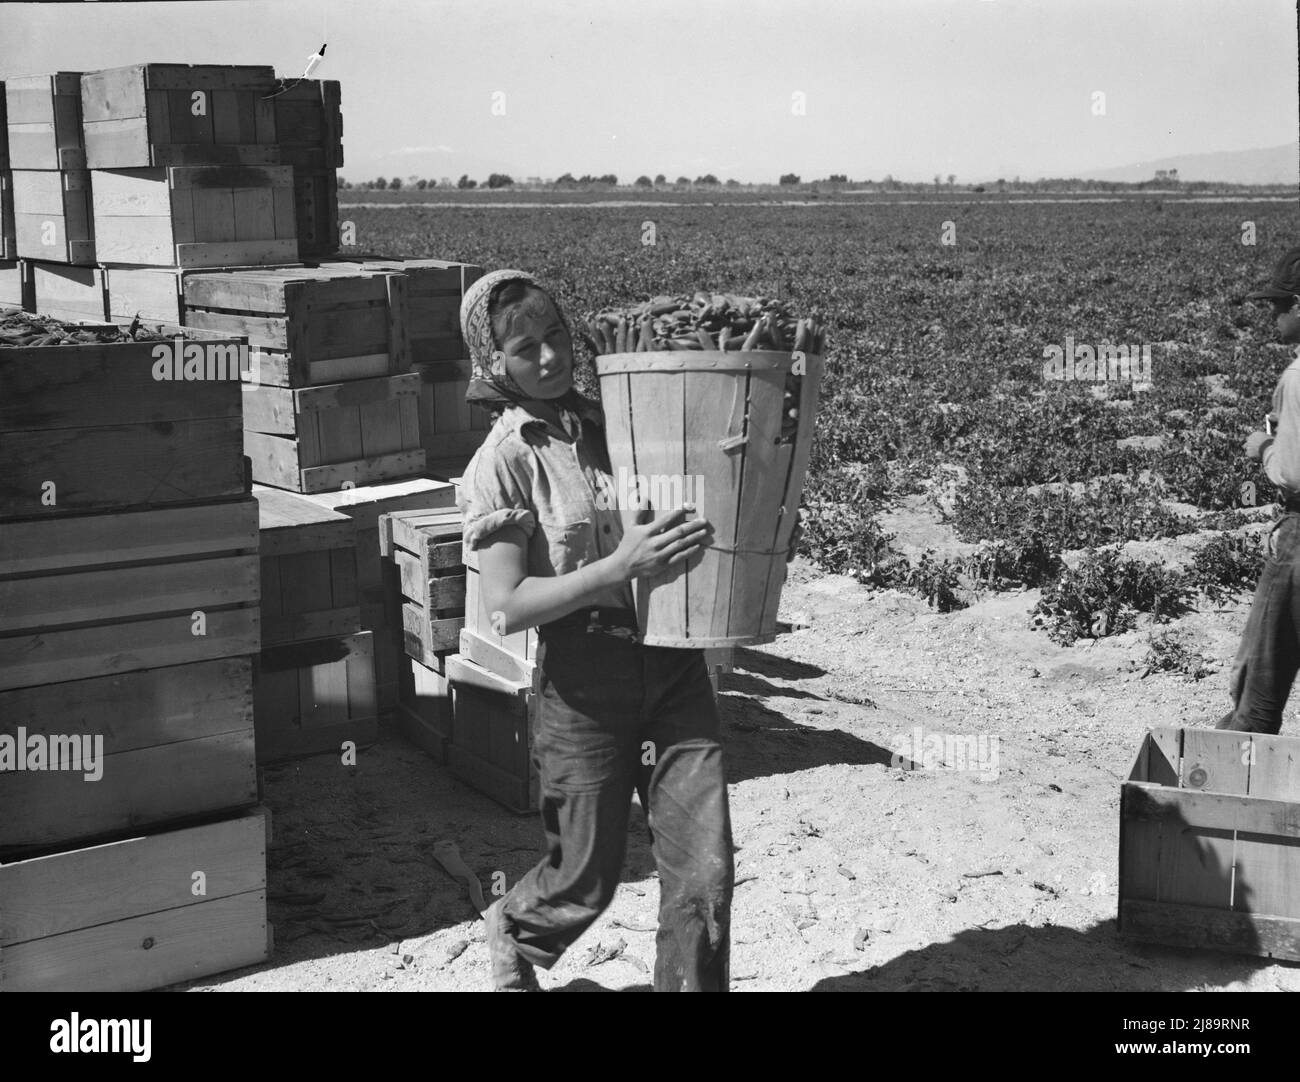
column 1264, row 165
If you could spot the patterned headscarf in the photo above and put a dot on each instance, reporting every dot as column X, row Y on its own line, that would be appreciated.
column 491, row 385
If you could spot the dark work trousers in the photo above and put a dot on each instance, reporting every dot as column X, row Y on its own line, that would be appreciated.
column 1269, row 654
column 616, row 716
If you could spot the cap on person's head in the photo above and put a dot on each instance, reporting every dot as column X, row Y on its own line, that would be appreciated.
column 1285, row 282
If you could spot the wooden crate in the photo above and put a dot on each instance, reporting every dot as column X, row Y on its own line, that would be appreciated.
column 102, row 594
column 449, row 426
column 153, row 115
column 425, row 549
column 44, row 121
column 424, row 708
column 4, row 129
column 155, row 294
column 435, row 288
column 69, row 292
column 309, row 569
column 311, row 439
column 176, row 742
column 490, row 746
column 8, row 224
column 195, row 216
column 129, row 916
column 520, row 645
column 15, row 285
column 93, row 422
column 308, row 327
column 52, row 216
column 1209, row 851
column 309, row 697
column 309, row 123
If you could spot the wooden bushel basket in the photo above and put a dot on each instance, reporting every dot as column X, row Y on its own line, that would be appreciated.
column 706, row 427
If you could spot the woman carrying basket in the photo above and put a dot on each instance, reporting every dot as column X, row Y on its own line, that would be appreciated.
column 614, row 715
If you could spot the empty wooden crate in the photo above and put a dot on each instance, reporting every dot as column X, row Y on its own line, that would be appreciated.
column 44, row 121
column 310, row 697
column 1209, row 851
column 166, row 743
column 425, row 548
column 309, row 569
column 151, row 115
column 94, row 595
column 309, row 127
column 195, row 216
column 52, row 215
column 89, row 427
column 139, row 913
column 311, row 439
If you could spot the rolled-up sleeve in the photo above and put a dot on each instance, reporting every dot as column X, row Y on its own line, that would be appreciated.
column 493, row 495
column 1281, row 457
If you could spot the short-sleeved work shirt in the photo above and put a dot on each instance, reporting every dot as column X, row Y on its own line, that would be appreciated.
column 557, row 489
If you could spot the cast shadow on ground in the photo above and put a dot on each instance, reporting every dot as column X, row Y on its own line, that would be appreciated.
column 756, row 661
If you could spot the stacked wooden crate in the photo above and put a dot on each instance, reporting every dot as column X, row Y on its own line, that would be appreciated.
column 11, row 288
column 377, row 586
column 423, row 549
column 309, row 127
column 331, row 400
column 315, row 684
column 450, row 431
column 128, row 627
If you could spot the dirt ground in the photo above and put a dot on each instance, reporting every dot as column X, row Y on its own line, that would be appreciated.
column 852, row 874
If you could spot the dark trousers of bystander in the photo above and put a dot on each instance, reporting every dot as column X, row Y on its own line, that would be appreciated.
column 616, row 716
column 1269, row 655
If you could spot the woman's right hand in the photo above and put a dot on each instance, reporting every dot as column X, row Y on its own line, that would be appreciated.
column 668, row 539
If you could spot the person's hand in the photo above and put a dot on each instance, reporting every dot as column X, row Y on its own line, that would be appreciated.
column 1254, row 445
column 651, row 547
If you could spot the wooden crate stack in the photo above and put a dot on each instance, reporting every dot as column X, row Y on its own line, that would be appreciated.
column 1207, row 843
column 422, row 550
column 128, row 628
column 331, row 400
column 450, row 431
column 377, row 586
column 315, row 685
column 11, row 280
column 309, row 127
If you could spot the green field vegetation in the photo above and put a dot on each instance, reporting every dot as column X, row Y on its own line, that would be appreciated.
column 936, row 361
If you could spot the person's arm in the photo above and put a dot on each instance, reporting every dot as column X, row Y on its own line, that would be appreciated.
column 524, row 600
column 1281, row 454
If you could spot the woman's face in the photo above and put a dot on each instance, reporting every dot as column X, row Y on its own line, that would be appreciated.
column 538, row 350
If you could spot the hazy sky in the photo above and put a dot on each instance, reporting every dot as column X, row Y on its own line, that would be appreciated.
column 979, row 88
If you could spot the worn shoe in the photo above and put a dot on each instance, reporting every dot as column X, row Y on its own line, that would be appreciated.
column 510, row 972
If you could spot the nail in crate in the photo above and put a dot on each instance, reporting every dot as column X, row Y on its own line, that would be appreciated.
column 52, row 215
column 425, row 547
column 311, row 439
column 89, row 427
column 165, row 744
column 153, row 115
column 69, row 292
column 93, row 595
column 307, row 326
column 43, row 115
column 8, row 225
column 310, row 697
column 309, row 125
column 491, row 747
column 435, row 288
column 308, row 569
column 126, row 917
column 195, row 216
column 1209, row 850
